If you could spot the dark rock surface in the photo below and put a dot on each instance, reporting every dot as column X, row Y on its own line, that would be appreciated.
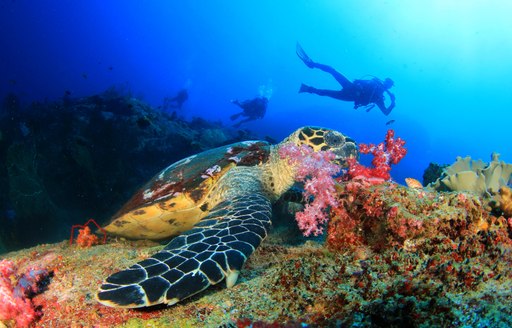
column 66, row 161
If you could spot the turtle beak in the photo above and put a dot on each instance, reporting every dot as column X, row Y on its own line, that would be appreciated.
column 338, row 160
column 341, row 157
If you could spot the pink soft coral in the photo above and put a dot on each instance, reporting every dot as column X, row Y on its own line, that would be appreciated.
column 316, row 171
column 15, row 290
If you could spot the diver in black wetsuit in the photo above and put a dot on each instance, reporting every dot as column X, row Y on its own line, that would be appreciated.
column 361, row 92
column 253, row 109
column 176, row 101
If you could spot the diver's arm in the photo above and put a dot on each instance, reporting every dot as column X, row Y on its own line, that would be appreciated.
column 382, row 106
column 391, row 96
column 237, row 102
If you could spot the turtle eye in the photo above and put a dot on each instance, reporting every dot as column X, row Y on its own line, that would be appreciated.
column 333, row 139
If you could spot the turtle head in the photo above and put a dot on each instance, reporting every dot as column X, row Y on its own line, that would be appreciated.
column 326, row 139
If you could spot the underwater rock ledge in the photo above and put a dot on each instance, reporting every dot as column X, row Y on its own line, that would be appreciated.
column 73, row 159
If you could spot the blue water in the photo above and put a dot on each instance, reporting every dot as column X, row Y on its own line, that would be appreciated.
column 450, row 61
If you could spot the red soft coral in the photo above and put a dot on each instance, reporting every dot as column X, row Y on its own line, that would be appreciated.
column 315, row 170
column 15, row 290
column 386, row 153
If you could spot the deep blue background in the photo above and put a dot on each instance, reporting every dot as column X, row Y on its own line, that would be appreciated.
column 450, row 60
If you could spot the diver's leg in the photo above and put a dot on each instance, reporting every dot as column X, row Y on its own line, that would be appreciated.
column 235, row 116
column 337, row 75
column 173, row 102
column 328, row 93
column 243, row 121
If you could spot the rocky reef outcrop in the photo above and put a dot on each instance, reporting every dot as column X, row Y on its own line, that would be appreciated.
column 66, row 161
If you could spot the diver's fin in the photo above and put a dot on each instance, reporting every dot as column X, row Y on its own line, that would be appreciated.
column 304, row 88
column 235, row 116
column 303, row 56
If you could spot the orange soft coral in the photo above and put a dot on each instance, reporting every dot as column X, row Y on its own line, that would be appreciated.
column 86, row 238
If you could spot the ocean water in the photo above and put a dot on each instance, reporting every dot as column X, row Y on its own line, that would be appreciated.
column 450, row 61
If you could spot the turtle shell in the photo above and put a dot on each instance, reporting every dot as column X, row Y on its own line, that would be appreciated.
column 178, row 197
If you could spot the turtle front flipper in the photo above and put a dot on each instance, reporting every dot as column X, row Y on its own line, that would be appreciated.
column 216, row 248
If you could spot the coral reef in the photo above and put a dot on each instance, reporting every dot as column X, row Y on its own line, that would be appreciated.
column 316, row 170
column 389, row 215
column 437, row 245
column 412, row 258
column 466, row 174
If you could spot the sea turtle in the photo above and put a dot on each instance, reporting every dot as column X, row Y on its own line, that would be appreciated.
column 219, row 203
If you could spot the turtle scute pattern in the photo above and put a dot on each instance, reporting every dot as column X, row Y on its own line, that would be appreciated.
column 216, row 248
column 181, row 194
column 342, row 146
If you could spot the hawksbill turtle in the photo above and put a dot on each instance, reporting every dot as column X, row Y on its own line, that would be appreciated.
column 218, row 205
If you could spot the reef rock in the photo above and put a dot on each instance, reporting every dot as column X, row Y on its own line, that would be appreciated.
column 66, row 161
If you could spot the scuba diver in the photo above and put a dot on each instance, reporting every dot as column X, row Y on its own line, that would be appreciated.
column 253, row 109
column 176, row 101
column 367, row 93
